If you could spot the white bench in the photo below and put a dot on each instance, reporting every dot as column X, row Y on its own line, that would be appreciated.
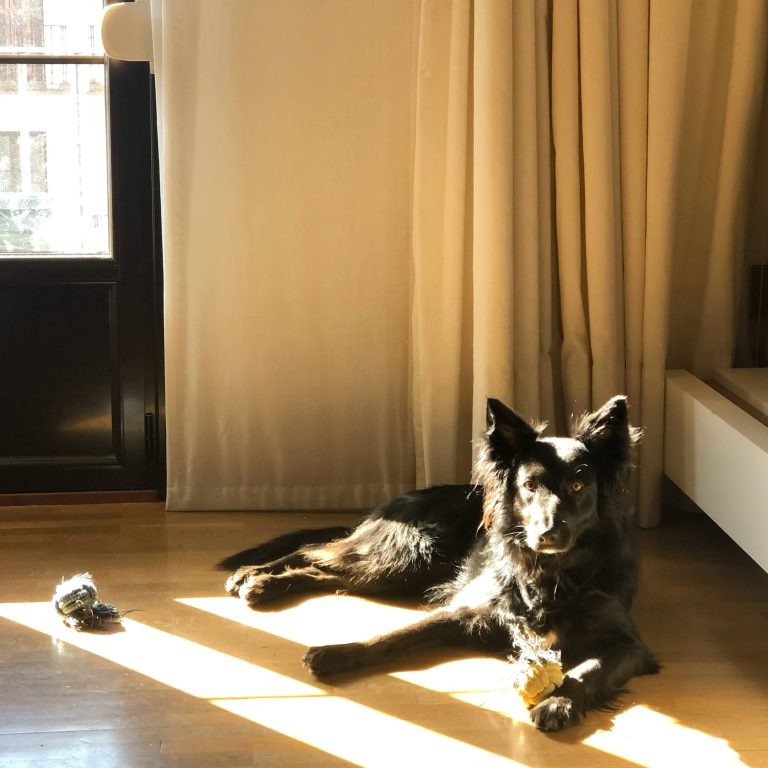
column 716, row 450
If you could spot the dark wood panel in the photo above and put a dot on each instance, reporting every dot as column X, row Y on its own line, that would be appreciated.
column 60, row 387
column 15, row 271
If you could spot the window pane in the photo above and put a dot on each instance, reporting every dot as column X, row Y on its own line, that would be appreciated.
column 38, row 161
column 10, row 164
column 65, row 27
column 53, row 161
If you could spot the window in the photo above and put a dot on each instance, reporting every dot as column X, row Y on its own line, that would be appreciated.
column 54, row 191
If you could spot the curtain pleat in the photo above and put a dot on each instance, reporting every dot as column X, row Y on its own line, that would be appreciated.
column 442, row 229
column 494, row 354
column 632, row 65
column 667, row 69
column 575, row 356
column 602, row 218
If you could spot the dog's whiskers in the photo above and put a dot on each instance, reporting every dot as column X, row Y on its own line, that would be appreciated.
column 517, row 534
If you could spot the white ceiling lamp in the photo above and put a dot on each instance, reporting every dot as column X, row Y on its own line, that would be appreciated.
column 126, row 31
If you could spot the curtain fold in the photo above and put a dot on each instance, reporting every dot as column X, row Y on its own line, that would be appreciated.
column 442, row 236
column 668, row 58
column 378, row 214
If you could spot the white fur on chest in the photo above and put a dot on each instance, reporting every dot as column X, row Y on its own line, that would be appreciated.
column 477, row 592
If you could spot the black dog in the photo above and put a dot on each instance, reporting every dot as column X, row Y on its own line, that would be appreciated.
column 540, row 554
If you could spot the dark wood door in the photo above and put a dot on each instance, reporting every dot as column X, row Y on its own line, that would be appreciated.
column 80, row 349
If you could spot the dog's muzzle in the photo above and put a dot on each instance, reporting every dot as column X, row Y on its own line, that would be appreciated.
column 554, row 541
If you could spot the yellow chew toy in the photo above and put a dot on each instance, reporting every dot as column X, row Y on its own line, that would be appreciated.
column 535, row 679
column 536, row 669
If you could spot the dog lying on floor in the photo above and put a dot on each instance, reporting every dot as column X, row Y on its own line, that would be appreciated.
column 538, row 557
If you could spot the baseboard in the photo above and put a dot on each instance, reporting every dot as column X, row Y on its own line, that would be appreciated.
column 77, row 497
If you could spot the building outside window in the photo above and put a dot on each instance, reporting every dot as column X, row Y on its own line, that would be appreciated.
column 38, row 162
column 10, row 162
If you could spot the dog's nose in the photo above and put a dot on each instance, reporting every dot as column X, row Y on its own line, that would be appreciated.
column 550, row 538
column 556, row 538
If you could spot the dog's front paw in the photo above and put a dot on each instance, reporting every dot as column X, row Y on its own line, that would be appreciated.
column 239, row 577
column 555, row 713
column 327, row 660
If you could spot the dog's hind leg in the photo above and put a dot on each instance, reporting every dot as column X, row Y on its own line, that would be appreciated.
column 464, row 628
column 303, row 571
column 259, row 587
column 275, row 556
column 250, row 573
column 280, row 546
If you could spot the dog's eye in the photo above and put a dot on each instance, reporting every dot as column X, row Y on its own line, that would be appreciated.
column 577, row 486
column 529, row 485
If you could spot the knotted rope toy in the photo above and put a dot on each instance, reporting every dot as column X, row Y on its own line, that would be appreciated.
column 76, row 600
column 536, row 670
column 536, row 677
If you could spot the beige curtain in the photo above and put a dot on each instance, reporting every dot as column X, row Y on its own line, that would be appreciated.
column 379, row 212
column 286, row 173
column 581, row 177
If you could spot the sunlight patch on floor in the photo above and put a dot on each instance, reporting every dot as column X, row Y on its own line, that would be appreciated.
column 367, row 737
column 484, row 682
column 306, row 713
column 638, row 735
column 655, row 740
column 317, row 621
column 182, row 664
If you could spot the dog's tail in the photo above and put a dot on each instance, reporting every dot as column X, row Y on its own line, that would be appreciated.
column 281, row 546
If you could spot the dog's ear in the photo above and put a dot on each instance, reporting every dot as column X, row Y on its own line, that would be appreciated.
column 608, row 435
column 507, row 433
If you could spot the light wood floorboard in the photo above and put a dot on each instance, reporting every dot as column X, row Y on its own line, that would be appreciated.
column 196, row 679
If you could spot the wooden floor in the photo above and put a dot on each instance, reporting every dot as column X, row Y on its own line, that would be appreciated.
column 196, row 679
